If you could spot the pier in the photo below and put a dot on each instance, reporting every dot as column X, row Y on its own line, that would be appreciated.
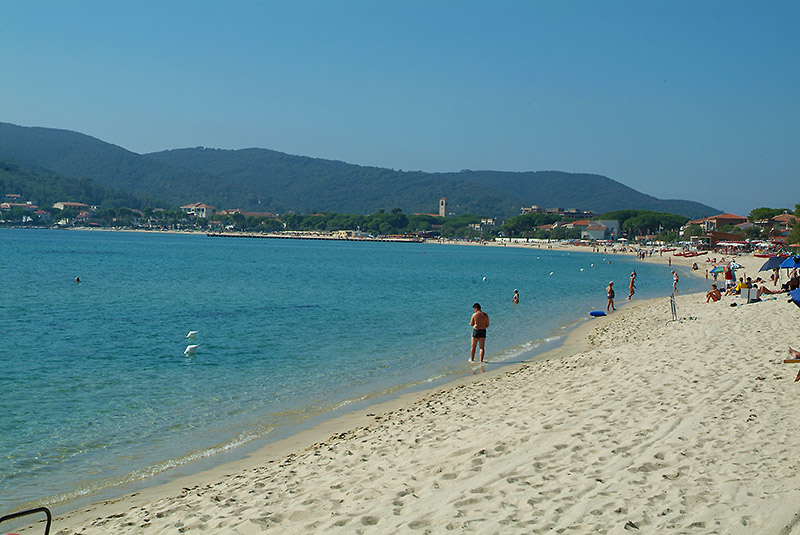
column 326, row 237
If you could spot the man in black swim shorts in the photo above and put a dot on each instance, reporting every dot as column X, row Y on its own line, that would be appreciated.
column 479, row 322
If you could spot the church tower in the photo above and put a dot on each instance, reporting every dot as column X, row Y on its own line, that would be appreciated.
column 442, row 207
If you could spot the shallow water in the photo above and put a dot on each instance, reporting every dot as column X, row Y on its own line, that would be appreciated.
column 97, row 390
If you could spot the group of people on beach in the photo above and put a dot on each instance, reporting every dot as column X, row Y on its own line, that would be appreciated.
column 480, row 320
column 759, row 284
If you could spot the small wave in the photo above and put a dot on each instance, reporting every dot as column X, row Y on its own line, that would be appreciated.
column 532, row 346
column 89, row 488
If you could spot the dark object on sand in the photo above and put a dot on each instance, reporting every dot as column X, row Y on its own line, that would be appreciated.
column 19, row 514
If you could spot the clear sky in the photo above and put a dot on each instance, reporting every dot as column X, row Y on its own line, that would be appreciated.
column 686, row 99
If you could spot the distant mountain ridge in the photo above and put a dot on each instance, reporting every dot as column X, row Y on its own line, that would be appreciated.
column 264, row 180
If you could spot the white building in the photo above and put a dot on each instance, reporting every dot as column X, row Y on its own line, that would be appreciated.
column 601, row 229
column 199, row 209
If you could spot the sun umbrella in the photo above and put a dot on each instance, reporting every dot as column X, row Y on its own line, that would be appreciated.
column 771, row 263
column 795, row 295
column 718, row 269
column 791, row 262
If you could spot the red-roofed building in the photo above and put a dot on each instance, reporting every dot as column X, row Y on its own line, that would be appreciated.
column 43, row 216
column 784, row 221
column 10, row 205
column 71, row 205
column 723, row 220
column 717, row 221
column 595, row 231
column 579, row 223
column 199, row 209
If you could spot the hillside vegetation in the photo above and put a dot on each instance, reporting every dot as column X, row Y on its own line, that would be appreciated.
column 44, row 188
column 262, row 180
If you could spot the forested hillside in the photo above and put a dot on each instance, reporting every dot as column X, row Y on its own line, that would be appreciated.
column 312, row 184
column 44, row 188
column 342, row 187
column 262, row 180
column 79, row 156
column 581, row 190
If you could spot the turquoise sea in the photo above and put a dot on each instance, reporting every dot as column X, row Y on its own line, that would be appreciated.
column 97, row 393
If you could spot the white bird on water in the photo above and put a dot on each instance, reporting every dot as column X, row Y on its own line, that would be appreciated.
column 191, row 334
column 190, row 349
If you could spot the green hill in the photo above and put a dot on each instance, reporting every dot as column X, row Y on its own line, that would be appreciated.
column 584, row 191
column 44, row 188
column 342, row 187
column 79, row 156
column 312, row 184
column 264, row 180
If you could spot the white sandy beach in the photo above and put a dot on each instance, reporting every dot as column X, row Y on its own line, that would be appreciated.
column 637, row 424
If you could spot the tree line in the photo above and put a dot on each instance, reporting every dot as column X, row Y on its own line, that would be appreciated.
column 380, row 223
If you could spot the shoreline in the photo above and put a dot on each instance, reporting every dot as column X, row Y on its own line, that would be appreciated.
column 320, row 424
column 203, row 465
column 358, row 417
column 577, row 341
column 635, row 422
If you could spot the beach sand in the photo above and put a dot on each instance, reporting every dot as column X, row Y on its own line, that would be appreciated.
column 637, row 424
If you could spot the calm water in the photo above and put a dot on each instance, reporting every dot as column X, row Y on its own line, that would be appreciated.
column 96, row 390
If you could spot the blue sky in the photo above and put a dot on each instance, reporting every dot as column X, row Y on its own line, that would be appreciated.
column 696, row 99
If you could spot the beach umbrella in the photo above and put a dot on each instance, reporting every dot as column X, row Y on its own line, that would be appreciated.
column 771, row 263
column 718, row 269
column 791, row 262
column 795, row 295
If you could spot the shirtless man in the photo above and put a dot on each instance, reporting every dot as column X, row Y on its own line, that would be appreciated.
column 632, row 285
column 674, row 282
column 714, row 294
column 479, row 323
column 610, row 293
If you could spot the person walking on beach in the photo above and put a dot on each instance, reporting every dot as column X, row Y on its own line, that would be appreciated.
column 674, row 282
column 515, row 299
column 632, row 285
column 610, row 293
column 479, row 323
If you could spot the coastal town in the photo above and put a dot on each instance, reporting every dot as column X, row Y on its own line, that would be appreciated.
column 763, row 228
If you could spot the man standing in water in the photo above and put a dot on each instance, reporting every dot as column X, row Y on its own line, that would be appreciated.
column 479, row 322
column 674, row 282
